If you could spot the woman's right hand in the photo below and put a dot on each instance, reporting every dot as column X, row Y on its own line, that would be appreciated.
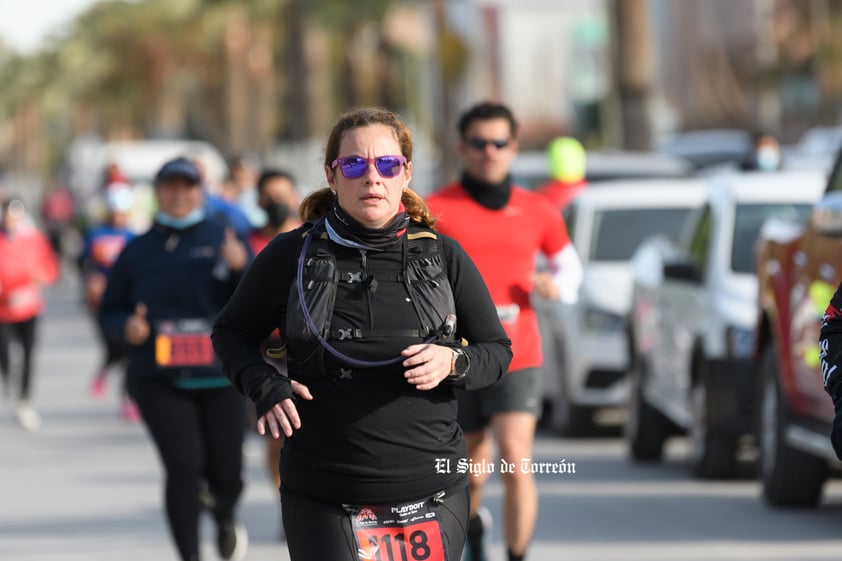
column 137, row 326
column 284, row 416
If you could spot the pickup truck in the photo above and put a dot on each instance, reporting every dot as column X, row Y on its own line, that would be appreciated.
column 799, row 266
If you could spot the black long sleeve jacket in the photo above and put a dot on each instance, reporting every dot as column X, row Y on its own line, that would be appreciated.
column 361, row 440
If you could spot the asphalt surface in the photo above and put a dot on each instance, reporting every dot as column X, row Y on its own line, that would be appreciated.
column 87, row 486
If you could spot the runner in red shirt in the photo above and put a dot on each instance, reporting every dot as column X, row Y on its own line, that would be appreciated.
column 566, row 156
column 27, row 264
column 503, row 227
column 277, row 196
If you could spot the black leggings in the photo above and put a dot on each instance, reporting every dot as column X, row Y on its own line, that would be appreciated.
column 318, row 531
column 24, row 332
column 199, row 437
column 114, row 351
column 114, row 354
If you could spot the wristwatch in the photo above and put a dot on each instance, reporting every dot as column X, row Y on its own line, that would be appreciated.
column 459, row 365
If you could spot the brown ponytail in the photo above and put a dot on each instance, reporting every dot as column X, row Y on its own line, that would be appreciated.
column 316, row 205
column 417, row 209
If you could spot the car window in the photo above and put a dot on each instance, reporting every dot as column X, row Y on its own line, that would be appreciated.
column 569, row 215
column 747, row 223
column 618, row 233
column 835, row 184
column 700, row 239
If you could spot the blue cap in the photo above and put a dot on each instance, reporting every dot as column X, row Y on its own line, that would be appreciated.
column 180, row 167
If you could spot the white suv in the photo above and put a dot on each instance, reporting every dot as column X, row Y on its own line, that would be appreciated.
column 585, row 346
column 694, row 311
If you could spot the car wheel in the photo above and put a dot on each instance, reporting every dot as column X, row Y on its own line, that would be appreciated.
column 713, row 455
column 645, row 429
column 790, row 477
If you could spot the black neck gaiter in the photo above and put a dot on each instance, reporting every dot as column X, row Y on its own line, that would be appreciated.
column 490, row 195
column 372, row 238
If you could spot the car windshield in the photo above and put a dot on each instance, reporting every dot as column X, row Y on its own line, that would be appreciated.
column 747, row 223
column 617, row 233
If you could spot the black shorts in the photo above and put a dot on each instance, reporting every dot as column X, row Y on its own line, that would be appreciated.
column 517, row 391
column 320, row 531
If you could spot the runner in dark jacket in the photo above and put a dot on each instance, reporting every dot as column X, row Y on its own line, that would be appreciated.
column 162, row 295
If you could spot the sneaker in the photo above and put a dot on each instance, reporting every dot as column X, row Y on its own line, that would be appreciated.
column 232, row 540
column 97, row 388
column 487, row 521
column 130, row 412
column 206, row 499
column 28, row 417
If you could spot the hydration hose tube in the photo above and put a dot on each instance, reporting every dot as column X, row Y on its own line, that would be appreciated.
column 446, row 330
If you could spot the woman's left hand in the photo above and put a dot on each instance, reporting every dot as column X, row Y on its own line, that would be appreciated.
column 543, row 285
column 233, row 251
column 427, row 365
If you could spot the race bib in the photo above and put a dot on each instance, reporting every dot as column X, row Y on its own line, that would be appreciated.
column 407, row 532
column 24, row 297
column 183, row 343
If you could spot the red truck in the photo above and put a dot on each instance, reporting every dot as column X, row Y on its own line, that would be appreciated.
column 799, row 267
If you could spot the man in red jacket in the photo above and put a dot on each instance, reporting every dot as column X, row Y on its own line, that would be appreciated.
column 27, row 264
column 503, row 227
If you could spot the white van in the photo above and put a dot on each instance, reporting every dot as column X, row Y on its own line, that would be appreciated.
column 138, row 161
column 586, row 352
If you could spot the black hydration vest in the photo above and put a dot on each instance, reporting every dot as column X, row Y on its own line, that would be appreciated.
column 423, row 274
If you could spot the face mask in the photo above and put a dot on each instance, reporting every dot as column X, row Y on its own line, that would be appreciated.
column 768, row 159
column 277, row 213
column 195, row 216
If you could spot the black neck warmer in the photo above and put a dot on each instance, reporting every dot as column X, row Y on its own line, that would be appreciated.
column 373, row 238
column 490, row 195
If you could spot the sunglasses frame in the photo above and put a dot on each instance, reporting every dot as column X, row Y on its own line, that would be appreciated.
column 480, row 144
column 341, row 162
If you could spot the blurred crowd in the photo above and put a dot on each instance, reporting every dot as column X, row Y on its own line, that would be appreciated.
column 83, row 234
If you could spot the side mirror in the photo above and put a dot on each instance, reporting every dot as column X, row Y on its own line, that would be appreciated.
column 826, row 217
column 684, row 270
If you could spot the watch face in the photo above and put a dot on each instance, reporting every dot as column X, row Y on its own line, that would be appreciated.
column 461, row 364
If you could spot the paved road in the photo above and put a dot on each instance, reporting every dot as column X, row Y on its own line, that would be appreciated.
column 87, row 487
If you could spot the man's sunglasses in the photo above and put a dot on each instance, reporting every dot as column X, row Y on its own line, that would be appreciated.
column 353, row 167
column 481, row 143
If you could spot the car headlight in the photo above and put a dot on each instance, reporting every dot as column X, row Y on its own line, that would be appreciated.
column 739, row 342
column 596, row 319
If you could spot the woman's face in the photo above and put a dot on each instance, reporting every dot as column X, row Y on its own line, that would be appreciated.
column 178, row 197
column 13, row 215
column 370, row 199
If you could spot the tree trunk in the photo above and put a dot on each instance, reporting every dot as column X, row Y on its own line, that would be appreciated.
column 299, row 126
column 445, row 122
column 237, row 38
column 633, row 71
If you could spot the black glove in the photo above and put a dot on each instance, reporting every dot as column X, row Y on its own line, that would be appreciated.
column 271, row 389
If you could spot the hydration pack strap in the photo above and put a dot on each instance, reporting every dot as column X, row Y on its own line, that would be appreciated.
column 351, row 333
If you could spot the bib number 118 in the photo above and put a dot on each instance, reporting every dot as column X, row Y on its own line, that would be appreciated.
column 392, row 544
